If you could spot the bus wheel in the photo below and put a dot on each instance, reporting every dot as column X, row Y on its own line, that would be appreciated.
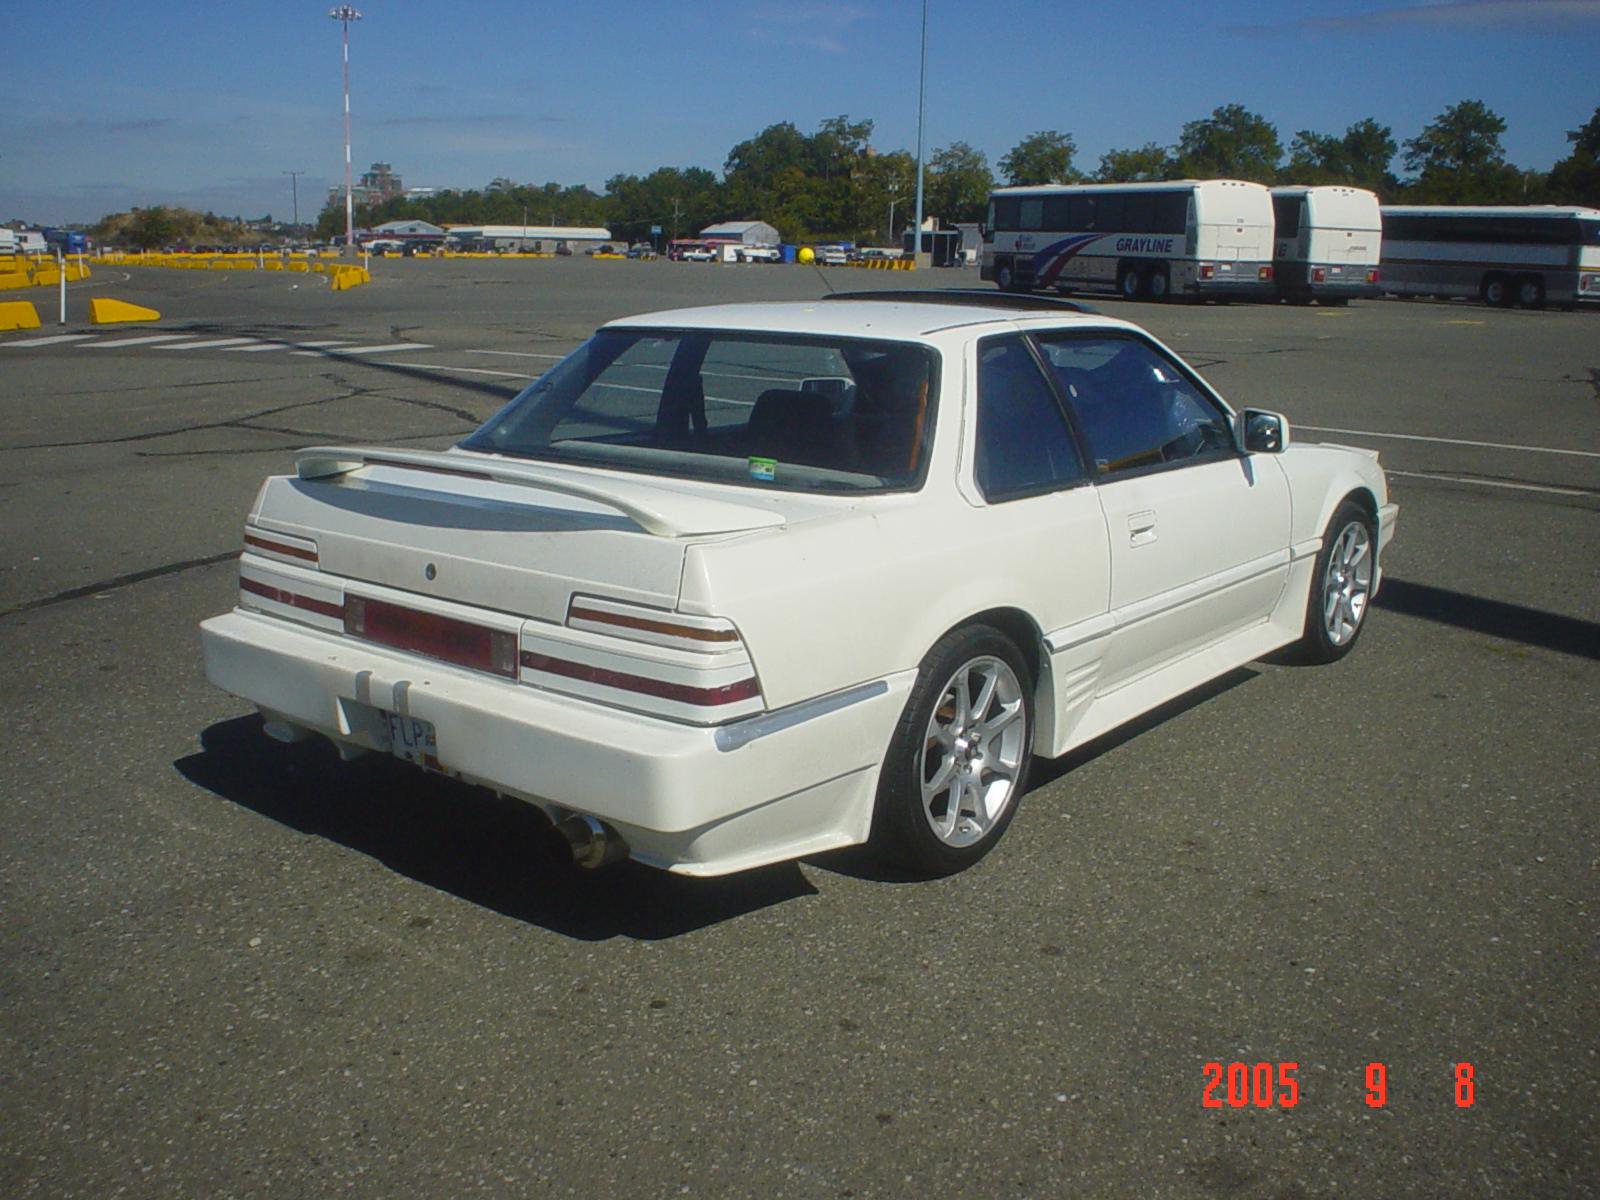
column 1530, row 291
column 1005, row 274
column 1160, row 284
column 1130, row 284
column 1495, row 292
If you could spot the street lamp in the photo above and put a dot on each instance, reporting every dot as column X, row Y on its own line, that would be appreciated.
column 344, row 14
column 922, row 107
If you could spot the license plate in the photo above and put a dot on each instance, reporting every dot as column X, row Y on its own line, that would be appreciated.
column 413, row 739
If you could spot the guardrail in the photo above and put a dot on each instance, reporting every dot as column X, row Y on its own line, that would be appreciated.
column 20, row 271
column 340, row 275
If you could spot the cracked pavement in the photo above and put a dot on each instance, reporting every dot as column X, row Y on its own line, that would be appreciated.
column 237, row 969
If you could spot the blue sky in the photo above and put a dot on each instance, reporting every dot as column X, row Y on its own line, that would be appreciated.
column 110, row 105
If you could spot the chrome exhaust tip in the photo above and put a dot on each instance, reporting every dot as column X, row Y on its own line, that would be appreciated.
column 590, row 841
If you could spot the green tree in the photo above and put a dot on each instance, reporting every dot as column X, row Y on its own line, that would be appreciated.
column 1146, row 164
column 1458, row 159
column 152, row 228
column 1576, row 178
column 682, row 201
column 1360, row 158
column 803, row 184
column 958, row 182
column 1232, row 143
column 1043, row 157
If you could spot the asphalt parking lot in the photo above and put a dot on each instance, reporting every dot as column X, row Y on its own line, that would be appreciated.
column 239, row 969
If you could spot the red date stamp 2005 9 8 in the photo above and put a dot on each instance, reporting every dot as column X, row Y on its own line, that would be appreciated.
column 1267, row 1084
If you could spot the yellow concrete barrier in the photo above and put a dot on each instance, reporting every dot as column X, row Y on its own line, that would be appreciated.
column 272, row 264
column 103, row 311
column 45, row 278
column 297, row 265
column 18, row 314
column 14, row 279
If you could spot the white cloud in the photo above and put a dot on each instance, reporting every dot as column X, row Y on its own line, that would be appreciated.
column 815, row 26
column 1512, row 16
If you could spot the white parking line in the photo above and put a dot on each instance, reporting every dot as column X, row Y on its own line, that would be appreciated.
column 392, row 346
column 1494, row 483
column 138, row 341
column 214, row 344
column 519, row 354
column 1417, row 437
column 48, row 341
column 442, row 367
column 278, row 346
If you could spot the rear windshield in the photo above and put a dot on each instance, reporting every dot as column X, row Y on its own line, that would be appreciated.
column 786, row 413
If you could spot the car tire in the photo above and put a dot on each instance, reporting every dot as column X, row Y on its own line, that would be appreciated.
column 1342, row 585
column 1130, row 283
column 956, row 768
column 1530, row 292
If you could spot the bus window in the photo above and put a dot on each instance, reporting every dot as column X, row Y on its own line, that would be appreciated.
column 1032, row 215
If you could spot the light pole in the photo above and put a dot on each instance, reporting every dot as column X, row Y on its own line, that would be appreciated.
column 294, row 183
column 893, row 200
column 922, row 106
column 344, row 14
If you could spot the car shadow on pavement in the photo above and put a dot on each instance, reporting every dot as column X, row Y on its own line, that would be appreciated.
column 1512, row 622
column 859, row 862
column 490, row 851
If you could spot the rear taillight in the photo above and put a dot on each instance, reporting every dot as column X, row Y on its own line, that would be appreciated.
column 652, row 660
column 650, row 625
column 1264, row 274
column 1372, row 275
column 1208, row 271
column 431, row 635
column 1318, row 275
column 281, row 546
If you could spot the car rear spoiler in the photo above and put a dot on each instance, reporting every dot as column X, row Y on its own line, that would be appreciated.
column 664, row 512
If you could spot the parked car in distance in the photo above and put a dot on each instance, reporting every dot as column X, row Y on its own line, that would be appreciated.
column 832, row 256
column 690, row 251
column 769, row 254
column 732, row 585
column 642, row 251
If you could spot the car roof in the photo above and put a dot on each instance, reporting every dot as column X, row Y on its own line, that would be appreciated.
column 897, row 319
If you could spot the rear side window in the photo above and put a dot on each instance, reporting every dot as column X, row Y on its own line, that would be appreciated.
column 1024, row 446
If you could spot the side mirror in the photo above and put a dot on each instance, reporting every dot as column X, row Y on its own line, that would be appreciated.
column 1263, row 432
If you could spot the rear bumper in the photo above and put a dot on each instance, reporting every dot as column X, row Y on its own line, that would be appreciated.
column 696, row 800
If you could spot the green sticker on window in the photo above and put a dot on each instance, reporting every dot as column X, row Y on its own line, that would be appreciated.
column 764, row 469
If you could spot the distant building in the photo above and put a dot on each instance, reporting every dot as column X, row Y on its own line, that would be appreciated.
column 377, row 185
column 405, row 231
column 420, row 193
column 539, row 239
column 748, row 233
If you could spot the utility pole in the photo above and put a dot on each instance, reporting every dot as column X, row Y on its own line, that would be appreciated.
column 294, row 182
column 344, row 14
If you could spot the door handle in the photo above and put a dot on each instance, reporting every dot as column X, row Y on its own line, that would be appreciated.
column 1141, row 527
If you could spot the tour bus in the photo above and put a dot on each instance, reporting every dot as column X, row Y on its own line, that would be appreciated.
column 1197, row 238
column 1327, row 243
column 1502, row 254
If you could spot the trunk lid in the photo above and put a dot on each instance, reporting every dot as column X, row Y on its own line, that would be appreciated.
column 508, row 536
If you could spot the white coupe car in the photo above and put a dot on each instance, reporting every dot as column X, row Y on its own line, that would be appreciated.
column 736, row 584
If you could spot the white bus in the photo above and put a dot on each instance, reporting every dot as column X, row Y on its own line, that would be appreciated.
column 1327, row 243
column 1502, row 254
column 1196, row 238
